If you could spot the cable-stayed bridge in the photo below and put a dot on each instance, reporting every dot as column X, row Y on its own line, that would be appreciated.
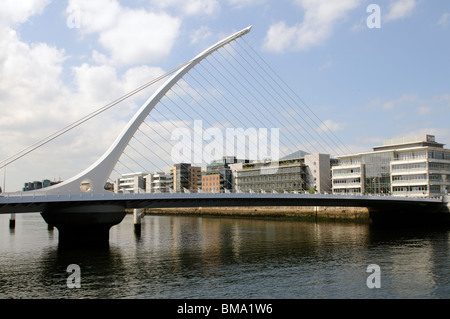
column 227, row 83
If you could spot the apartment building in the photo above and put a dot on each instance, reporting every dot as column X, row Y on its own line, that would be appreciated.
column 416, row 166
column 186, row 177
column 131, row 183
column 158, row 182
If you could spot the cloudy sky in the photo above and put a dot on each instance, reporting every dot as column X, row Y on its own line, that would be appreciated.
column 366, row 79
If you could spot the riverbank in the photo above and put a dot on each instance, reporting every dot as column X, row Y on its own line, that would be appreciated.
column 353, row 214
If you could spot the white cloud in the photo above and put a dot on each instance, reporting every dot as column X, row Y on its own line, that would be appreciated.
column 280, row 37
column 330, row 126
column 328, row 64
column 400, row 9
column 320, row 17
column 190, row 7
column 140, row 37
column 130, row 36
column 97, row 86
column 444, row 20
column 201, row 34
column 362, row 25
column 35, row 102
column 239, row 4
column 408, row 102
column 139, row 75
column 13, row 12
column 96, row 16
column 29, row 117
column 424, row 110
column 99, row 58
column 406, row 98
column 29, row 78
column 446, row 99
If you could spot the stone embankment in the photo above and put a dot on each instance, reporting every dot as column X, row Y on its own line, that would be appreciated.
column 355, row 214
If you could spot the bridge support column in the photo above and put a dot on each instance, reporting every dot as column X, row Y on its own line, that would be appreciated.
column 84, row 226
column 12, row 221
column 137, row 221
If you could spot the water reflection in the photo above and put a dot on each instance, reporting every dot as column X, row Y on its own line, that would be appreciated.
column 417, row 260
column 190, row 257
column 102, row 272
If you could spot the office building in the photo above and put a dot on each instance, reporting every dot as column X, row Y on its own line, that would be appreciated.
column 218, row 175
column 29, row 186
column 292, row 173
column 212, row 183
column 186, row 178
column 415, row 166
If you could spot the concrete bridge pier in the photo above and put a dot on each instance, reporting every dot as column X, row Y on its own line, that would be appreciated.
column 12, row 221
column 137, row 213
column 86, row 226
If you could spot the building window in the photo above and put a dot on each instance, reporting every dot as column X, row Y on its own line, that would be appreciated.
column 435, row 189
column 413, row 189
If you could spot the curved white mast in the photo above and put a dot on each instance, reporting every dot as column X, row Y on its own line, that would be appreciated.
column 98, row 173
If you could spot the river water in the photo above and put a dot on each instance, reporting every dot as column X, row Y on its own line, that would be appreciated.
column 193, row 257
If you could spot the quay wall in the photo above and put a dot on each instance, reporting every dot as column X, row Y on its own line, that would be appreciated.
column 355, row 214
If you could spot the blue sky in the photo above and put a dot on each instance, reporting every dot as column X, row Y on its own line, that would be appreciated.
column 60, row 60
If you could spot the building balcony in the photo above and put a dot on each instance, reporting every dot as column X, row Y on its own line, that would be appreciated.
column 347, row 166
column 411, row 160
column 347, row 185
column 439, row 160
column 409, row 183
column 413, row 171
column 439, row 171
column 346, row 176
column 127, row 184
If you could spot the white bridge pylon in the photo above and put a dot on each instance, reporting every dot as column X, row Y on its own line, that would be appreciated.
column 93, row 179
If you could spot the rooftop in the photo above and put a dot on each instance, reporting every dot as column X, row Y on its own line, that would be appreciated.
column 407, row 142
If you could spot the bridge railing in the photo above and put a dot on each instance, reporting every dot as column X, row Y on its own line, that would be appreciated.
column 42, row 195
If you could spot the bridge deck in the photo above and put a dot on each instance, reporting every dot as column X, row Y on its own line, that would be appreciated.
column 38, row 202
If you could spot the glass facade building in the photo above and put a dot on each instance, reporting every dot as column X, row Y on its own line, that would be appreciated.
column 377, row 178
column 223, row 174
column 30, row 186
column 411, row 166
